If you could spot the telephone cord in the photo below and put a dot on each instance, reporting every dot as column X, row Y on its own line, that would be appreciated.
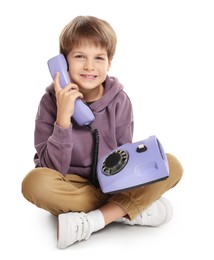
column 95, row 135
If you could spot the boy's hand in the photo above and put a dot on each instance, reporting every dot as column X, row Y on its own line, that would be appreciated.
column 65, row 100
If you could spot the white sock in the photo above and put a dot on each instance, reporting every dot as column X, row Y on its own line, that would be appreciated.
column 97, row 217
column 119, row 220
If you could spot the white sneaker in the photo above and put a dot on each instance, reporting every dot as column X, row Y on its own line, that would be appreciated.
column 73, row 227
column 158, row 213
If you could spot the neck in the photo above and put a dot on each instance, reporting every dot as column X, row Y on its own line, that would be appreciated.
column 93, row 95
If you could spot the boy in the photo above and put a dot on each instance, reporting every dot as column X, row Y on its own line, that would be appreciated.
column 61, row 181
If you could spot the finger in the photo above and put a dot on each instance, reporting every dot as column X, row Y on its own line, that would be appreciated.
column 77, row 95
column 73, row 93
column 71, row 86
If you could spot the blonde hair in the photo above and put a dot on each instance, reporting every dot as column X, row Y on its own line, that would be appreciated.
column 91, row 30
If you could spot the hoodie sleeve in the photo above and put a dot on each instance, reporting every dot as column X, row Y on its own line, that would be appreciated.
column 53, row 144
column 124, row 119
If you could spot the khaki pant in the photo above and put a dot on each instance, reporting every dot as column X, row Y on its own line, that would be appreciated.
column 50, row 190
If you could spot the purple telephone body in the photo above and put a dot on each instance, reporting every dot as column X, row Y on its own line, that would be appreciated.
column 133, row 165
column 82, row 113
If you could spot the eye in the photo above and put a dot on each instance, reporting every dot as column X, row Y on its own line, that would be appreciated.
column 79, row 57
column 100, row 58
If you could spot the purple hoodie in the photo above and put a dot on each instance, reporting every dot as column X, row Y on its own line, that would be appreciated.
column 71, row 150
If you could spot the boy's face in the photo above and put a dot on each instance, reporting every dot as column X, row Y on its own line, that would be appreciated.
column 88, row 67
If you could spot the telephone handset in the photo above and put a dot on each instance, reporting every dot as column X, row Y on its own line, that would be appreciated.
column 82, row 113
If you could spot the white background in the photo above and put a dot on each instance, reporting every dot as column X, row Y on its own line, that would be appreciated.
column 165, row 60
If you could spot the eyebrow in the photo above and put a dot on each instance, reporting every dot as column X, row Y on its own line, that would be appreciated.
column 80, row 52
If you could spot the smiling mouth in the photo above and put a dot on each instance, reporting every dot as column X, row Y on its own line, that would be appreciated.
column 86, row 76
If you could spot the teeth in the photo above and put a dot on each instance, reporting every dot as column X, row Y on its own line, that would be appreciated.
column 89, row 76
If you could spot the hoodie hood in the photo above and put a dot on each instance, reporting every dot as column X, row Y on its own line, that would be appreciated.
column 111, row 88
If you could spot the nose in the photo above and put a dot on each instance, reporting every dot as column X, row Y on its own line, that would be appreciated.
column 88, row 65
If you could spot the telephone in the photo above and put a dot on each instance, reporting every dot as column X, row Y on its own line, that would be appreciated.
column 133, row 165
column 82, row 113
